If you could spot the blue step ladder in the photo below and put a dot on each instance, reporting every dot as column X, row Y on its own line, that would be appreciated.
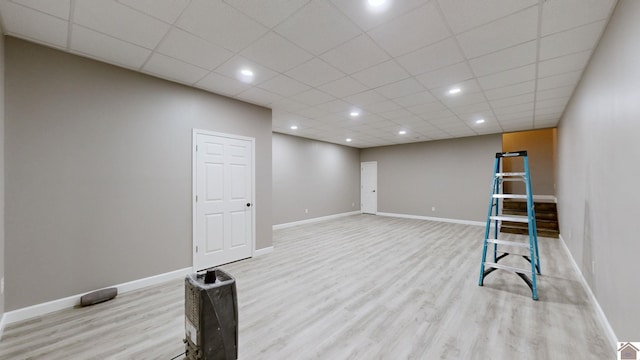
column 494, row 214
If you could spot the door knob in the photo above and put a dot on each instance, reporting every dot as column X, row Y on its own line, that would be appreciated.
column 374, row 191
column 248, row 204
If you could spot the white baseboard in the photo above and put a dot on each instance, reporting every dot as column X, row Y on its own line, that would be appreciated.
column 611, row 335
column 263, row 251
column 313, row 220
column 3, row 323
column 419, row 217
column 71, row 301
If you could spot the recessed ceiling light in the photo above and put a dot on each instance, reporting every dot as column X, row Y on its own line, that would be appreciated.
column 402, row 132
column 294, row 127
column 480, row 121
column 348, row 139
column 354, row 113
column 378, row 5
column 245, row 75
column 455, row 90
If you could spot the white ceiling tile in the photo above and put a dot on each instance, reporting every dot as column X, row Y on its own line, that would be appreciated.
column 312, row 111
column 365, row 98
column 401, row 88
column 464, row 14
column 276, row 52
column 511, row 30
column 436, row 108
column 463, row 99
column 57, row 8
column 356, row 54
column 315, row 72
column 258, row 96
column 527, row 114
column 284, row 85
column 318, row 27
column 396, row 114
column 559, row 92
column 34, row 25
column 513, row 109
column 312, row 97
column 120, row 21
column 571, row 41
column 513, row 100
column 381, row 107
column 508, row 77
column 549, row 110
column 447, row 76
column 288, row 105
column 106, row 48
column 423, row 97
column 432, row 57
column 221, row 84
column 411, row 31
column 191, row 49
column 381, row 74
column 220, row 24
column 511, row 90
column 232, row 67
column 165, row 10
column 513, row 57
column 444, row 121
column 477, row 108
column 336, row 106
column 552, row 103
column 268, row 13
column 566, row 79
column 563, row 15
column 564, row 64
column 342, row 87
column 174, row 69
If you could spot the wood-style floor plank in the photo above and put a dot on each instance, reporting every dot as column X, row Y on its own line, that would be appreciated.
column 359, row 287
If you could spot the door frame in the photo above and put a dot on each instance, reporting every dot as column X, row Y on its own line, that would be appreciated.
column 362, row 163
column 194, row 164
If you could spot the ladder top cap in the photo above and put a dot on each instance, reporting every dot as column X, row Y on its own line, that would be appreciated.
column 512, row 154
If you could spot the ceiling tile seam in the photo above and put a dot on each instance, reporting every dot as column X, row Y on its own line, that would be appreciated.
column 72, row 7
column 537, row 69
column 151, row 15
column 575, row 27
column 37, row 10
column 492, row 21
column 597, row 43
column 164, row 37
column 277, row 24
column 466, row 61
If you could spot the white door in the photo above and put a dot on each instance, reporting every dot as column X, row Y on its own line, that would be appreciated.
column 223, row 208
column 369, row 187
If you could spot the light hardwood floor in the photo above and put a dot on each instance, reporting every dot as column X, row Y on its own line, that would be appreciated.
column 359, row 287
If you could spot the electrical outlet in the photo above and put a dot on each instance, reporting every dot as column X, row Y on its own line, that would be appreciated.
column 593, row 267
column 433, row 208
column 306, row 211
column 353, row 204
column 2, row 285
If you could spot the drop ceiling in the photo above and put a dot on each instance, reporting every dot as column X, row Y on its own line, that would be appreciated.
column 314, row 62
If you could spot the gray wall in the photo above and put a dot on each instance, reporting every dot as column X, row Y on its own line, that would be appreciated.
column 1, row 168
column 598, row 172
column 454, row 176
column 541, row 152
column 308, row 174
column 98, row 163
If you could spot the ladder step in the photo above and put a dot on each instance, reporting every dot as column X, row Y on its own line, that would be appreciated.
column 511, row 174
column 509, row 243
column 509, row 196
column 514, row 218
column 507, row 267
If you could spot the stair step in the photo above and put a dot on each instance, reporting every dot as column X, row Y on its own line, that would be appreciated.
column 540, row 224
column 524, row 231
column 508, row 243
column 540, row 215
column 510, row 196
column 507, row 267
